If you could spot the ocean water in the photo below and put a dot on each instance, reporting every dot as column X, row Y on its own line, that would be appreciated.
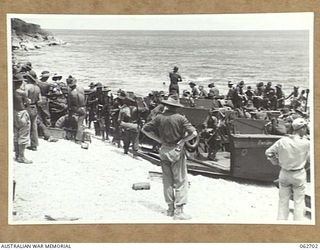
column 140, row 61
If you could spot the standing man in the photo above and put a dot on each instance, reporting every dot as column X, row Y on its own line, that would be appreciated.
column 128, row 124
column 99, row 102
column 43, row 106
column 34, row 94
column 291, row 153
column 231, row 92
column 174, row 79
column 238, row 99
column 21, row 121
column 77, row 105
column 210, row 132
column 91, row 105
column 172, row 130
column 58, row 104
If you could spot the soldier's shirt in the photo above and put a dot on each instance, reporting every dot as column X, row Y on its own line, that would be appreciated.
column 170, row 126
column 77, row 97
column 33, row 92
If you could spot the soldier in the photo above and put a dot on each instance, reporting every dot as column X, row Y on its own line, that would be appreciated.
column 258, row 95
column 77, row 106
column 58, row 104
column 172, row 130
column 202, row 92
column 249, row 93
column 194, row 90
column 174, row 79
column 44, row 120
column 280, row 96
column 25, row 68
column 56, row 79
column 213, row 90
column 128, row 125
column 43, row 106
column 114, row 113
column 34, row 94
column 291, row 153
column 230, row 94
column 293, row 97
column 238, row 99
column 91, row 105
column 100, row 103
column 21, row 120
column 211, row 133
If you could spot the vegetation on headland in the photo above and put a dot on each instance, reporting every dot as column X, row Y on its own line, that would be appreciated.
column 29, row 36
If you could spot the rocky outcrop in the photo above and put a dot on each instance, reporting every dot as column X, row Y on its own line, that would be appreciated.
column 29, row 36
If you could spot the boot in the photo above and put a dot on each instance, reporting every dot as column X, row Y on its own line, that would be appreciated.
column 21, row 158
column 180, row 215
column 170, row 211
column 33, row 148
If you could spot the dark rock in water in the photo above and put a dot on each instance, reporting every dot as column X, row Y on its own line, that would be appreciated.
column 53, row 43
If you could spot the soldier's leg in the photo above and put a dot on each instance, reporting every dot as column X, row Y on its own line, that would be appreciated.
column 79, row 134
column 180, row 180
column 299, row 194
column 167, row 178
column 135, row 141
column 33, row 113
column 126, row 140
column 181, row 188
column 285, row 190
column 23, row 137
column 107, row 126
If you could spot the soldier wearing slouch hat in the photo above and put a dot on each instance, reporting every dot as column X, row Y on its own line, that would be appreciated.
column 34, row 94
column 172, row 130
column 21, row 122
column 76, row 105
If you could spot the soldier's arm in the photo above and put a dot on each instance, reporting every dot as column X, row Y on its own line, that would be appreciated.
column 150, row 128
column 191, row 132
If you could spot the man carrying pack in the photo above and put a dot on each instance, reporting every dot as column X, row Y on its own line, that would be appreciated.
column 172, row 130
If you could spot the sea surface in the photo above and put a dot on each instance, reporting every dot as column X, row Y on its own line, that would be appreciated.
column 140, row 61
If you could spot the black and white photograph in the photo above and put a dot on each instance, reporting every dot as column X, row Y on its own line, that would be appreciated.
column 198, row 118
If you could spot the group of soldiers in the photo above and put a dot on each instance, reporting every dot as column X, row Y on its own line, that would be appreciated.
column 264, row 96
column 47, row 102
column 52, row 103
column 242, row 102
column 43, row 103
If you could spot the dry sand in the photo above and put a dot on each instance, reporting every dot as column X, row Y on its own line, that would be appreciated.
column 75, row 185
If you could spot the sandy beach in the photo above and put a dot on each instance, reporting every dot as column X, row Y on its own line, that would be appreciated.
column 74, row 185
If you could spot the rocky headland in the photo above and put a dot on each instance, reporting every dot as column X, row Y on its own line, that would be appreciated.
column 29, row 36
